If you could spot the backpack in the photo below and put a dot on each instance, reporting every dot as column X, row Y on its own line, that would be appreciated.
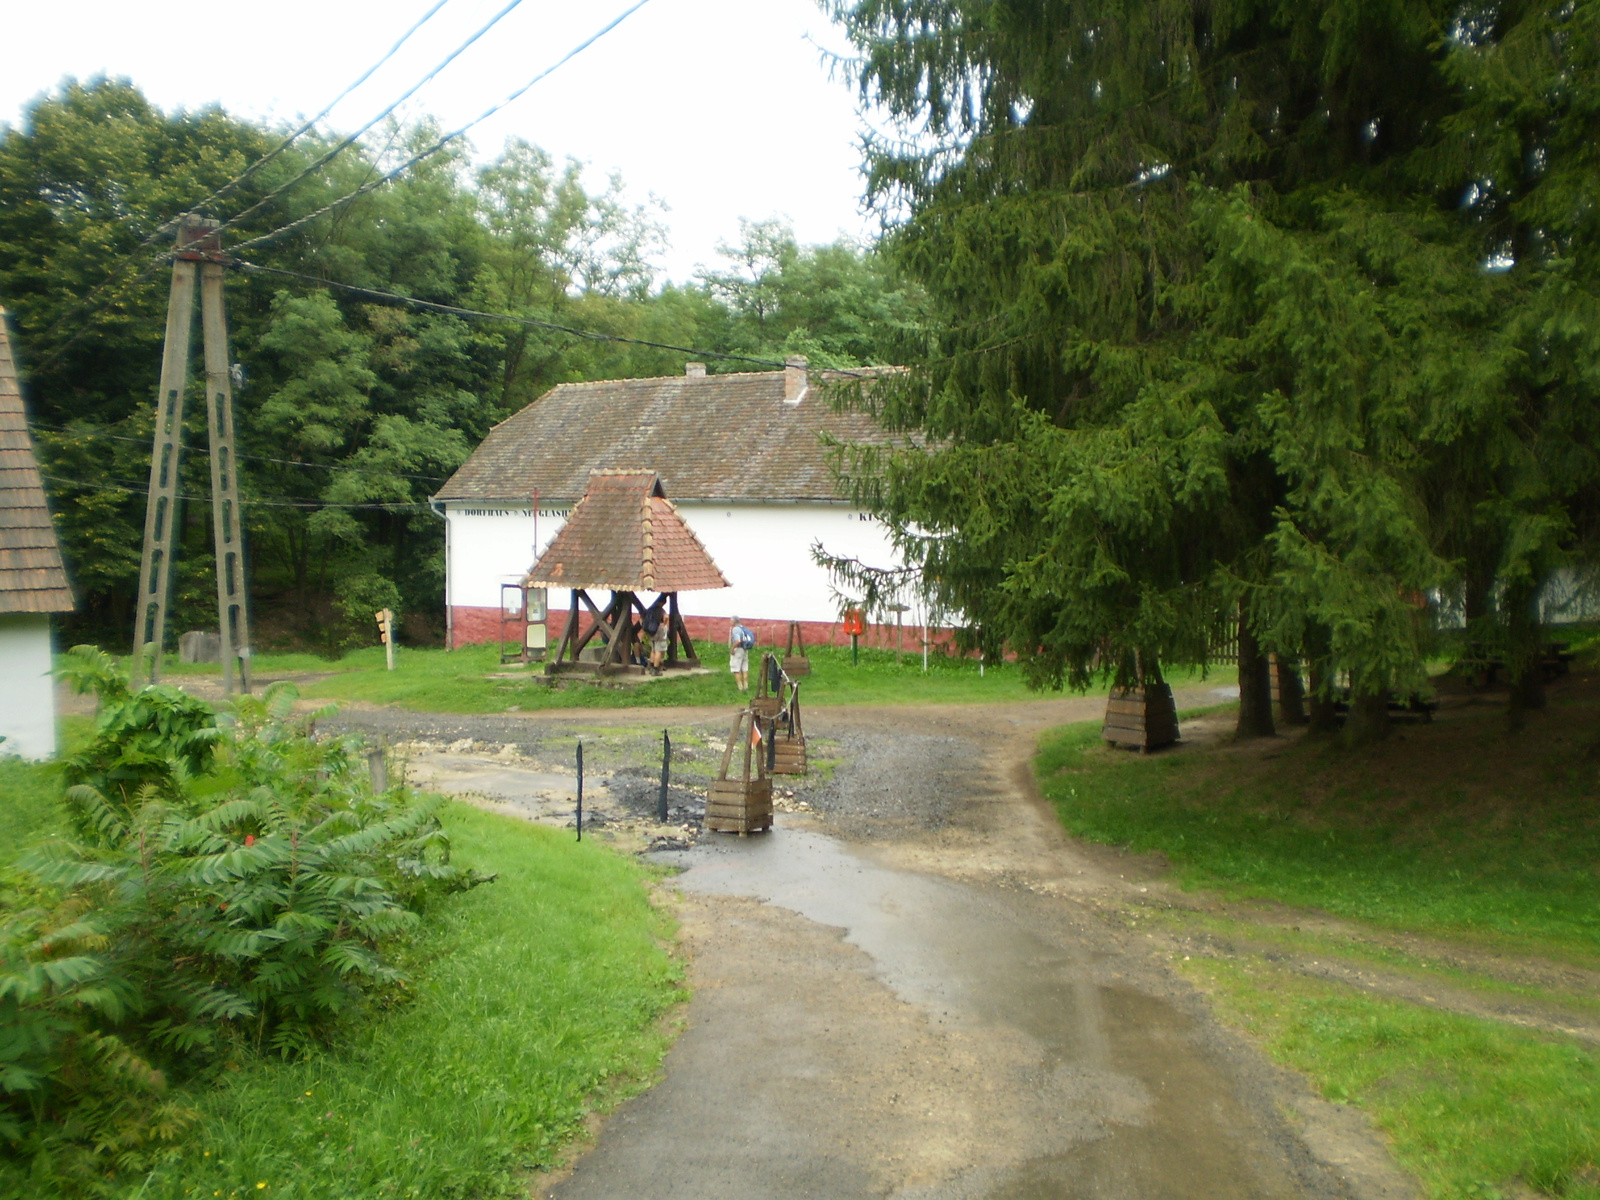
column 651, row 621
column 747, row 640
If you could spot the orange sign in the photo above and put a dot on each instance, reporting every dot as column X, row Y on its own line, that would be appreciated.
column 854, row 624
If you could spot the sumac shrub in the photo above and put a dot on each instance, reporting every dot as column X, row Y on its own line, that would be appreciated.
column 231, row 887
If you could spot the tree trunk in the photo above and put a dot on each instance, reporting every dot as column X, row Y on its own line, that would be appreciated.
column 1291, row 696
column 1524, row 657
column 1322, row 718
column 1368, row 721
column 1255, row 686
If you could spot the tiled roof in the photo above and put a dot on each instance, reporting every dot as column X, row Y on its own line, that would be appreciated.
column 32, row 578
column 627, row 536
column 709, row 437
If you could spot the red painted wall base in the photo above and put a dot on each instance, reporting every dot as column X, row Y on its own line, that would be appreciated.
column 470, row 626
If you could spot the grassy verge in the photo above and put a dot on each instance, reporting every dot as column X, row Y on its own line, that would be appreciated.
column 534, row 999
column 1473, row 1108
column 472, row 680
column 534, row 996
column 1404, row 843
column 30, row 805
column 1446, row 841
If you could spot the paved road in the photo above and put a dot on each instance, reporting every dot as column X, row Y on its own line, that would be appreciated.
column 932, row 1006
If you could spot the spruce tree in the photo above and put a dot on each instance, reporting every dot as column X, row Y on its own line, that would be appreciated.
column 1242, row 312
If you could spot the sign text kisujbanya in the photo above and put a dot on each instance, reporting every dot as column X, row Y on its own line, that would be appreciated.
column 510, row 512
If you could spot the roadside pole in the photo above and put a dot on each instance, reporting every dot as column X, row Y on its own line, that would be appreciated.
column 197, row 265
column 666, row 761
column 385, row 619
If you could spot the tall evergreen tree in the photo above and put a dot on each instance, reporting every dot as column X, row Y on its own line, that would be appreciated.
column 1225, row 297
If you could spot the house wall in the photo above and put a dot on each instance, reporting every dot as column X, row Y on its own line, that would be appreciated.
column 27, row 692
column 764, row 551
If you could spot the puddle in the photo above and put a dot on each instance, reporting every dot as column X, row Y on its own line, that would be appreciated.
column 954, row 951
column 1123, row 1102
column 544, row 795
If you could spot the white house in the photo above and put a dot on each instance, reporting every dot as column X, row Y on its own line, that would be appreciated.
column 742, row 456
column 33, row 582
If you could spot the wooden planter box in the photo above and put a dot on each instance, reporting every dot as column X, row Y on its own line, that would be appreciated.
column 1141, row 718
column 739, row 806
column 795, row 663
column 790, row 755
column 740, row 798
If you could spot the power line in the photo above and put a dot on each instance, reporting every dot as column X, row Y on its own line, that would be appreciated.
column 350, row 140
column 328, row 108
column 167, row 226
column 531, row 322
column 287, row 462
column 56, row 353
column 441, row 143
column 258, row 501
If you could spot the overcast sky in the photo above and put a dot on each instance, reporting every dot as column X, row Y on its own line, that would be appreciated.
column 722, row 108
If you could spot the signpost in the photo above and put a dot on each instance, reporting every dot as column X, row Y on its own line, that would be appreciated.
column 385, row 619
column 855, row 625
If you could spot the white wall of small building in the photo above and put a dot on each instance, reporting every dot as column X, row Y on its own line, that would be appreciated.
column 764, row 551
column 27, row 691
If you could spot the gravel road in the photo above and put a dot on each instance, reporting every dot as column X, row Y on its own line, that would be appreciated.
column 916, row 986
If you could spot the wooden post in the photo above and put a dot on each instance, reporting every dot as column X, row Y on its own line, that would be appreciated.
column 666, row 766
column 385, row 620
column 378, row 768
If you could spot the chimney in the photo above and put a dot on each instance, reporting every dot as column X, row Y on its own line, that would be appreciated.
column 794, row 379
column 695, row 370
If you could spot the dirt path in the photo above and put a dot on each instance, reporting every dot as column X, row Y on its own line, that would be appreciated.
column 918, row 988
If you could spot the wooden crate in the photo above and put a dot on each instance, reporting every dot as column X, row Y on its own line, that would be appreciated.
column 1142, row 718
column 739, row 806
column 740, row 798
column 790, row 756
column 795, row 663
column 765, row 706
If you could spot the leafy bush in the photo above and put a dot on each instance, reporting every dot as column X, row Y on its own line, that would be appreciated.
column 230, row 889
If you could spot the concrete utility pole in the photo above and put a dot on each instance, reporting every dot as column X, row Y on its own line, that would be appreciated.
column 198, row 260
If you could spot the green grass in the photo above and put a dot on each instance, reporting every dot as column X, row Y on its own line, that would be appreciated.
column 30, row 792
column 535, row 994
column 534, row 998
column 30, row 804
column 1471, row 1107
column 1436, row 970
column 458, row 681
column 280, row 663
column 1456, row 831
column 432, row 680
column 1424, row 857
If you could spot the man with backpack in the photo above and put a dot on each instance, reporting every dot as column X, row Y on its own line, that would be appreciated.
column 740, row 643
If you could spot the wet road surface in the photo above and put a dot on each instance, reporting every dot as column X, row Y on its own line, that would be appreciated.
column 862, row 1030
column 921, row 989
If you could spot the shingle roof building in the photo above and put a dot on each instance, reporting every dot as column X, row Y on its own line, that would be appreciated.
column 740, row 437
column 627, row 536
column 32, row 577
